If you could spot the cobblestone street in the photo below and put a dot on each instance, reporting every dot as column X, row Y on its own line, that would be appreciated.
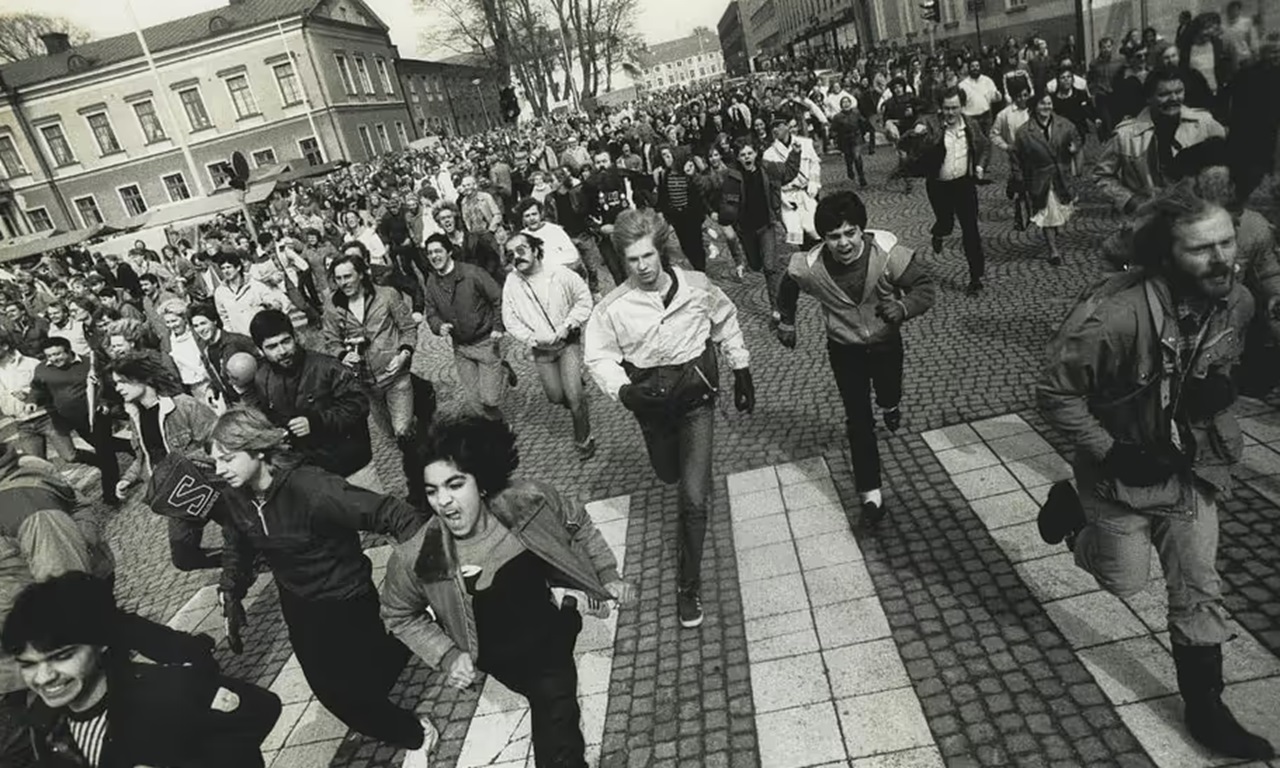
column 952, row 636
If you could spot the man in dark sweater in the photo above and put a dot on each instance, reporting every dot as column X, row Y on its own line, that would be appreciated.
column 868, row 285
column 571, row 205
column 606, row 196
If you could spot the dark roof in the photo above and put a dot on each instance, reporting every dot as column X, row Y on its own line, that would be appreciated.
column 469, row 59
column 683, row 48
column 161, row 37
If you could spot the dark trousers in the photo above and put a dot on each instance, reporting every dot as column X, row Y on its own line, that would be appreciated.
column 105, row 446
column 548, row 677
column 958, row 199
column 612, row 260
column 689, row 232
column 680, row 452
column 351, row 662
column 853, row 162
column 857, row 367
column 762, row 251
column 15, row 738
column 185, row 551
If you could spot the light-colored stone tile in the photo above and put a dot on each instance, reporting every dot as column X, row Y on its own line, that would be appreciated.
column 1263, row 427
column 1131, row 670
column 888, row 721
column 810, row 493
column 307, row 755
column 838, row 583
column 594, row 668
column 613, row 508
column 269, row 757
column 593, row 708
column 597, row 635
column 755, row 504
column 760, row 531
column 966, row 458
column 796, row 643
column 823, row 518
column 1158, row 727
column 1243, row 657
column 1000, row 426
column 1258, row 460
column 1256, row 705
column 811, row 469
column 1093, row 619
column 988, row 481
column 289, row 715
column 767, row 562
column 1039, row 493
column 854, row 621
column 614, row 534
column 496, row 698
column 770, row 596
column 496, row 737
column 1045, row 469
column 1020, row 446
column 778, row 624
column 864, row 668
column 950, row 437
column 920, row 757
column 828, row 549
column 799, row 737
column 195, row 610
column 1022, row 542
column 760, row 479
column 1055, row 577
column 789, row 682
column 1005, row 509
column 291, row 685
column 316, row 724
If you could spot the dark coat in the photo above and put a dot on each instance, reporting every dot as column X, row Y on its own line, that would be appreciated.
column 124, row 278
column 931, row 149
column 775, row 175
column 1042, row 161
column 468, row 299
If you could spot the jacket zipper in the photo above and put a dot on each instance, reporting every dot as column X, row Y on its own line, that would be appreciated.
column 259, row 504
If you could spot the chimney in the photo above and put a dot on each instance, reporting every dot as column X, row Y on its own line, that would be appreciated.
column 55, row 42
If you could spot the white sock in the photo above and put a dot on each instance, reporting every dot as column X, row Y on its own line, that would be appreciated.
column 872, row 496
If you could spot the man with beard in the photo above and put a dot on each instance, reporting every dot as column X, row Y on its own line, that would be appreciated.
column 606, row 196
column 316, row 398
column 1139, row 377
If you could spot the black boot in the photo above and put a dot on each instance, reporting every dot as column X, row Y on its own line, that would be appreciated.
column 1061, row 516
column 1208, row 719
column 413, row 479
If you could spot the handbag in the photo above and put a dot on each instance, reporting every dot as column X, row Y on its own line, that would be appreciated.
column 180, row 488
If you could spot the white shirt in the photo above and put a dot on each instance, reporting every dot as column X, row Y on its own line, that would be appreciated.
column 377, row 248
column 979, row 94
column 73, row 332
column 237, row 307
column 1005, row 129
column 631, row 324
column 186, row 356
column 16, row 374
column 835, row 98
column 955, row 163
column 557, row 247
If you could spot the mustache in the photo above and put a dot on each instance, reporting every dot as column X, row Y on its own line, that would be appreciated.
column 1220, row 270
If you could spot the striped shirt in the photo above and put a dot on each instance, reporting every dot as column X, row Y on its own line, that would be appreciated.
column 89, row 730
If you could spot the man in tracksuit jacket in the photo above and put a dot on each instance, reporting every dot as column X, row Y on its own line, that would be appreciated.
column 868, row 285
column 651, row 344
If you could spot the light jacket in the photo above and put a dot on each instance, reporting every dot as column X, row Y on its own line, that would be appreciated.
column 1042, row 162
column 387, row 329
column 528, row 316
column 1123, row 170
column 423, row 572
column 15, row 386
column 185, row 425
column 1107, row 369
column 237, row 306
column 892, row 275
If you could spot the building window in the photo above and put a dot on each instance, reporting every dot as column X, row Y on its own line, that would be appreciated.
column 152, row 130
column 58, row 146
column 10, row 159
column 383, row 139
column 220, row 173
column 39, row 218
column 87, row 207
column 131, row 196
column 103, row 134
column 384, row 75
column 1015, row 3
column 193, row 105
column 362, row 70
column 345, row 71
column 402, row 134
column 264, row 157
column 287, row 82
column 241, row 96
column 363, row 130
column 310, row 149
column 176, row 185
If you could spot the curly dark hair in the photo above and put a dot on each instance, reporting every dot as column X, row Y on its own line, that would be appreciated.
column 483, row 448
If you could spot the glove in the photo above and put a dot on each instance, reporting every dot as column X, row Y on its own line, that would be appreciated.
column 891, row 311
column 1202, row 399
column 786, row 335
column 744, row 390
column 641, row 399
column 233, row 618
column 1144, row 465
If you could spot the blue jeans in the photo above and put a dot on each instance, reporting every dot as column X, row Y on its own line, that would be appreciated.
column 680, row 452
column 764, row 254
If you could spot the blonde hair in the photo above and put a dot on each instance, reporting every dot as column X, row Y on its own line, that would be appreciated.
column 247, row 429
column 131, row 329
column 173, row 306
column 635, row 224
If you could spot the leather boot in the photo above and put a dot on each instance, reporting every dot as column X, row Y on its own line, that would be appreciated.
column 1209, row 720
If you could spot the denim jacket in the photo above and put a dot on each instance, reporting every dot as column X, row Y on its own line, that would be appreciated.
column 423, row 572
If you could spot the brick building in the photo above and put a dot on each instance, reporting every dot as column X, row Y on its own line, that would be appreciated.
column 90, row 133
column 453, row 96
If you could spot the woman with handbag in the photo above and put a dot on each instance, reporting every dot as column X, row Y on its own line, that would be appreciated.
column 545, row 307
column 1044, row 153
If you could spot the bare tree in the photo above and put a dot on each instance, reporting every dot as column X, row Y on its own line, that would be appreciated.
column 20, row 34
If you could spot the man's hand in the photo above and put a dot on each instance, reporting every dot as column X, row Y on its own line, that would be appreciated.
column 233, row 617
column 1144, row 465
column 740, row 271
column 461, row 673
column 351, row 359
column 623, row 591
column 397, row 363
column 495, row 335
column 122, row 488
column 744, row 390
column 786, row 335
column 978, row 172
column 446, row 329
column 919, row 129
column 606, row 229
column 299, row 426
column 641, row 399
column 417, row 318
column 891, row 311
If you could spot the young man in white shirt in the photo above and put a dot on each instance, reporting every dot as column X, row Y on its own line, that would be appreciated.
column 981, row 94
column 558, row 248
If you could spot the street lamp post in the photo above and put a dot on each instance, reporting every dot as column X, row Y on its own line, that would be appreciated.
column 487, row 122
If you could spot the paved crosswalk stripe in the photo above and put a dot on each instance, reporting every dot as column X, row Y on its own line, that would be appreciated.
column 828, row 682
column 1004, row 469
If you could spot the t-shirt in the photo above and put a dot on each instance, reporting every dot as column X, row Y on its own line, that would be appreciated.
column 489, row 550
column 152, row 438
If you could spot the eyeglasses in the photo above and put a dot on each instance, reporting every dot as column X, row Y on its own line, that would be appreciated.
column 521, row 250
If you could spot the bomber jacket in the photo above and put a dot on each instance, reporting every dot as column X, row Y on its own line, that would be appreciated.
column 1124, row 171
column 468, row 299
column 387, row 329
column 1107, row 366
column 185, row 424
column 775, row 176
column 327, row 393
column 528, row 316
column 423, row 572
column 308, row 526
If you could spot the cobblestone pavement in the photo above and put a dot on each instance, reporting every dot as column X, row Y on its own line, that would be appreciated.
column 948, row 638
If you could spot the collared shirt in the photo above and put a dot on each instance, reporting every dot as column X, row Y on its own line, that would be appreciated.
column 979, row 95
column 1005, row 129
column 955, row 162
column 186, row 356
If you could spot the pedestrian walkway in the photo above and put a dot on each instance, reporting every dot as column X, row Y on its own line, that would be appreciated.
column 1004, row 469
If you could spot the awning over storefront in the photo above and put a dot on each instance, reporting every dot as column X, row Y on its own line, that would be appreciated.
column 31, row 245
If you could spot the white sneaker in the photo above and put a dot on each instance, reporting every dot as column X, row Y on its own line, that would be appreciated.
column 421, row 757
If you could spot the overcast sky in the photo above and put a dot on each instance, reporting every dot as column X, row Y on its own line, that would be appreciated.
column 660, row 20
